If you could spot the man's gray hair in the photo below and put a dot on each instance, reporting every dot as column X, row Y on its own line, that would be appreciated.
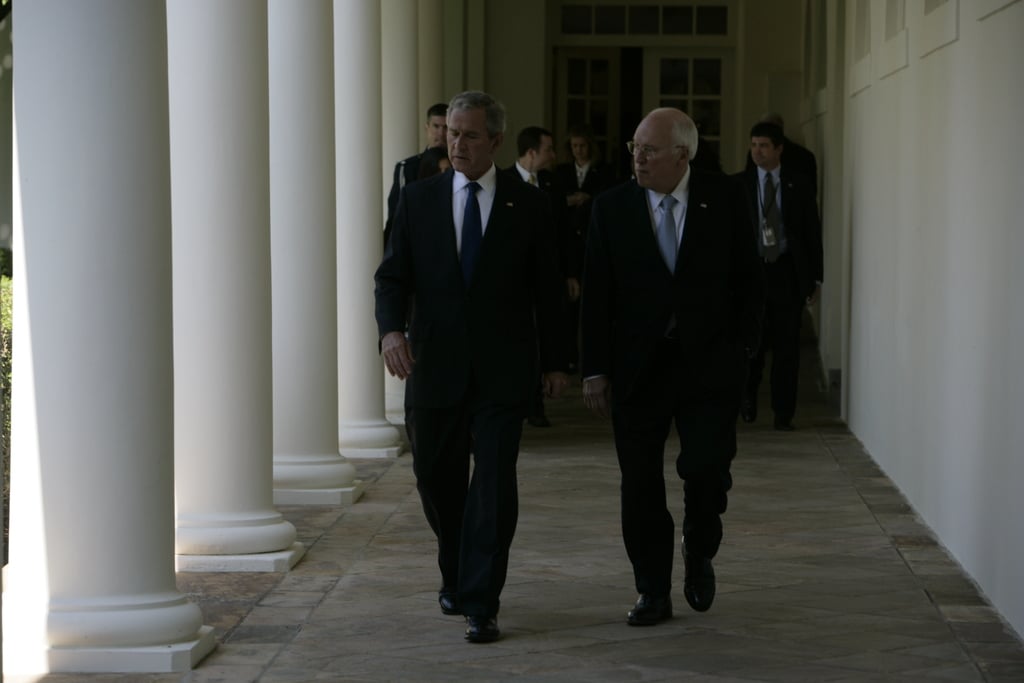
column 684, row 131
column 475, row 99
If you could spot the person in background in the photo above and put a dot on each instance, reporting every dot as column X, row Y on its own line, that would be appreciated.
column 536, row 148
column 432, row 162
column 580, row 179
column 784, row 218
column 796, row 157
column 671, row 301
column 408, row 169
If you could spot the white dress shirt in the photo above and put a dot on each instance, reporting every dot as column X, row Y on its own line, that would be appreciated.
column 484, row 196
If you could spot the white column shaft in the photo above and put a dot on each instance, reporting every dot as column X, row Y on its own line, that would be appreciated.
column 90, row 586
column 400, row 108
column 363, row 431
column 307, row 466
column 430, row 47
column 403, row 118
column 222, row 330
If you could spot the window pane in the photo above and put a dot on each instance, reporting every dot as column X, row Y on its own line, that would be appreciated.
column 712, row 21
column 643, row 19
column 599, row 77
column 577, row 111
column 577, row 76
column 677, row 20
column 709, row 148
column 707, row 114
column 673, row 102
column 674, row 77
column 707, row 77
column 576, row 19
column 599, row 117
column 610, row 19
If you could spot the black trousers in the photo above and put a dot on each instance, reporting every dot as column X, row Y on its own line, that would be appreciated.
column 784, row 305
column 707, row 433
column 473, row 516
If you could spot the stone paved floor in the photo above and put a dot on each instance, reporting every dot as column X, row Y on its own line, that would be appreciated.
column 825, row 574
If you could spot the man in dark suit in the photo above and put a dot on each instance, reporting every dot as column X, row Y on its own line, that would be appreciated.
column 472, row 258
column 671, row 295
column 407, row 170
column 796, row 157
column 536, row 147
column 579, row 180
column 783, row 212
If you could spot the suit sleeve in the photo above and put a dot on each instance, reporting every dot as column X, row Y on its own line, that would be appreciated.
column 549, row 293
column 596, row 321
column 393, row 281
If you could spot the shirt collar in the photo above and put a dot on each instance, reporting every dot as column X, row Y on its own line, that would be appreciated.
column 523, row 173
column 775, row 173
column 487, row 181
column 681, row 192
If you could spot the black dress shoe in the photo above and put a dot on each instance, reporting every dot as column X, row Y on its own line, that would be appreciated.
column 538, row 421
column 449, row 601
column 699, row 583
column 650, row 610
column 784, row 425
column 748, row 410
column 482, row 629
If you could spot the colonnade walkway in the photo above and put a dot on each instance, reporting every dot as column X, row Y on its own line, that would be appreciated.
column 825, row 574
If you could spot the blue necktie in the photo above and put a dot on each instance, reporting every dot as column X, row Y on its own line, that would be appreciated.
column 472, row 232
column 667, row 233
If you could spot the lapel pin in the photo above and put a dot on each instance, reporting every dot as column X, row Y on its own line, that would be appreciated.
column 703, row 205
column 509, row 204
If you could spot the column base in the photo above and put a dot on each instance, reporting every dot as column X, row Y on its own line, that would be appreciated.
column 170, row 658
column 339, row 496
column 383, row 452
column 280, row 561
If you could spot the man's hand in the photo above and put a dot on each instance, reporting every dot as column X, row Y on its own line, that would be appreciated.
column 572, row 286
column 597, row 395
column 394, row 347
column 814, row 295
column 577, row 198
column 554, row 383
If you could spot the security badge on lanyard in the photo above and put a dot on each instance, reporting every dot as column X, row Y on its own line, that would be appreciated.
column 767, row 233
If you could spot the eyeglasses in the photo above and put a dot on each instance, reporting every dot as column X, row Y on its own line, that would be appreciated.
column 647, row 150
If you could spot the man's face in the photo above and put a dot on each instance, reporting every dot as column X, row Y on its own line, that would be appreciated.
column 437, row 129
column 470, row 148
column 764, row 153
column 580, row 150
column 658, row 162
column 544, row 156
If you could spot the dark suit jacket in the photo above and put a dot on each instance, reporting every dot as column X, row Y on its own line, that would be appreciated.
column 559, row 210
column 629, row 295
column 598, row 179
column 490, row 332
column 801, row 224
column 406, row 171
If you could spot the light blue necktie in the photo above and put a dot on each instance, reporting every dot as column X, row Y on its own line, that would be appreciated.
column 667, row 243
column 472, row 232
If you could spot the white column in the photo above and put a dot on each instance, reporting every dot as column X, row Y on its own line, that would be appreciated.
column 430, row 47
column 403, row 118
column 363, row 431
column 307, row 466
column 90, row 585
column 221, row 248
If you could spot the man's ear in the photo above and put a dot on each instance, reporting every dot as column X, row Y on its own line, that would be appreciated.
column 496, row 141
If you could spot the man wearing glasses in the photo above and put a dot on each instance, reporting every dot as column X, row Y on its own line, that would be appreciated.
column 671, row 298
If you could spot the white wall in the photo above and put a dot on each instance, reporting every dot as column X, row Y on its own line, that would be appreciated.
column 934, row 180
